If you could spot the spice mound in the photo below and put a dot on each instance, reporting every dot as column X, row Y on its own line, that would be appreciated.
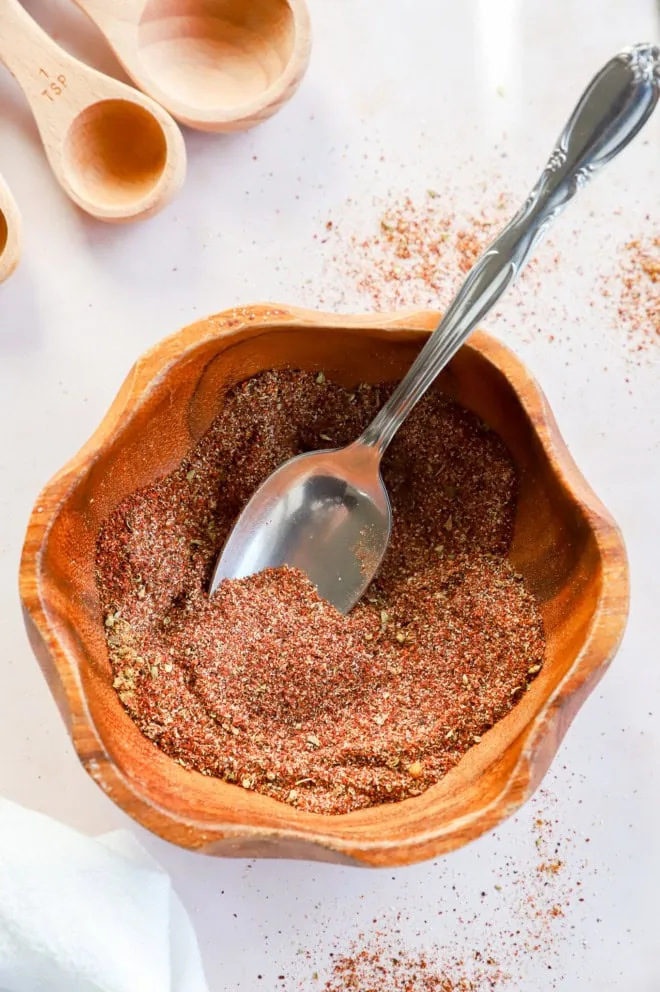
column 266, row 685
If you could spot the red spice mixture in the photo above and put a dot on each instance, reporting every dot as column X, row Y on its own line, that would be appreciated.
column 265, row 684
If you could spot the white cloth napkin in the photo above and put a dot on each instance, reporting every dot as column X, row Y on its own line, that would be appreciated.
column 79, row 914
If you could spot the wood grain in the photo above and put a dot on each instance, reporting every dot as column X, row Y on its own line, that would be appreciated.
column 11, row 234
column 565, row 543
column 216, row 65
column 116, row 153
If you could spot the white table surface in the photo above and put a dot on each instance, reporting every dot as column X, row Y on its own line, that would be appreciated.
column 400, row 97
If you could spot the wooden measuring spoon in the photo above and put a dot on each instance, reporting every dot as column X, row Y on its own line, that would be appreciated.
column 115, row 152
column 216, row 65
column 10, row 232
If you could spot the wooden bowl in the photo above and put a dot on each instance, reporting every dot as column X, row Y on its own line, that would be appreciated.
column 566, row 545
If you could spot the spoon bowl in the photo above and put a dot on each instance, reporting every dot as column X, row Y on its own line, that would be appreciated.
column 114, row 152
column 216, row 65
column 216, row 55
column 324, row 512
column 10, row 232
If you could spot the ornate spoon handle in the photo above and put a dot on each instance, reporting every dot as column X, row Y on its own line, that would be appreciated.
column 614, row 107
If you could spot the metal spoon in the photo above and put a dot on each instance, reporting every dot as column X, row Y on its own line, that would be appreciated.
column 328, row 512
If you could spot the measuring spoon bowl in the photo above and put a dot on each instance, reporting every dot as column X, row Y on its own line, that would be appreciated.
column 216, row 65
column 10, row 232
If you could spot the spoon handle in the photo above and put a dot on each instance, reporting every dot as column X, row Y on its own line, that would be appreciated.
column 48, row 75
column 613, row 108
column 116, row 19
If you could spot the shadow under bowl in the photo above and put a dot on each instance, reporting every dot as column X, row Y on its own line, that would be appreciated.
column 565, row 544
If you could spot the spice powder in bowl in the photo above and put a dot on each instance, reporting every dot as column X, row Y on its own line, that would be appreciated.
column 265, row 684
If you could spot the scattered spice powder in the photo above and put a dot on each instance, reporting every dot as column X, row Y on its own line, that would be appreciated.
column 421, row 251
column 265, row 684
column 518, row 929
column 421, row 247
column 638, row 307
column 377, row 968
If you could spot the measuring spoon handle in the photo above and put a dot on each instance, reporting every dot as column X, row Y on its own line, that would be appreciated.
column 115, row 17
column 612, row 110
column 55, row 84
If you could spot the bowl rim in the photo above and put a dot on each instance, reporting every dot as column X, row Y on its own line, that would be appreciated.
column 544, row 732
